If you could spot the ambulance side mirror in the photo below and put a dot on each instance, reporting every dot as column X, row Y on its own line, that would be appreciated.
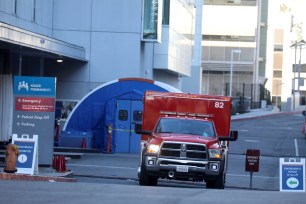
column 233, row 136
column 138, row 130
column 304, row 113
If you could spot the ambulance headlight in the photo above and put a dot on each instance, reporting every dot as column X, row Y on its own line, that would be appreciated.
column 214, row 153
column 153, row 148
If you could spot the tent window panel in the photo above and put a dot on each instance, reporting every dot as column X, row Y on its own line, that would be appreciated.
column 137, row 115
column 123, row 115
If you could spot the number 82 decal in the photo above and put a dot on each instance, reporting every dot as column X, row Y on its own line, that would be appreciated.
column 219, row 105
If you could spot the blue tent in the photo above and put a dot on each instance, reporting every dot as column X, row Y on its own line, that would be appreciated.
column 116, row 104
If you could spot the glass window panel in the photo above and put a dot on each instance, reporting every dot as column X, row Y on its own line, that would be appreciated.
column 151, row 20
column 137, row 115
column 123, row 115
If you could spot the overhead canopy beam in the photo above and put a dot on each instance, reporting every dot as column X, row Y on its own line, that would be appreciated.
column 36, row 41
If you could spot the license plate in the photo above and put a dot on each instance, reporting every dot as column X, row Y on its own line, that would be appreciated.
column 182, row 168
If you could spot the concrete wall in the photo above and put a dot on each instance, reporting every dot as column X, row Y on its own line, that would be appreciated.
column 175, row 52
column 110, row 32
column 23, row 15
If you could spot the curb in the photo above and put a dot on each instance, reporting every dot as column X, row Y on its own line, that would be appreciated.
column 26, row 177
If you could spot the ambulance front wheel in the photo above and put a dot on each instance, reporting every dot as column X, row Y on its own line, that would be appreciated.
column 219, row 182
column 145, row 179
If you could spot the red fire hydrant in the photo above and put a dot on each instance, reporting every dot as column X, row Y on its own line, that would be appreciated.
column 11, row 158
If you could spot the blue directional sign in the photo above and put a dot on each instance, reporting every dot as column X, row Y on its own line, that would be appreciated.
column 34, row 112
column 292, row 174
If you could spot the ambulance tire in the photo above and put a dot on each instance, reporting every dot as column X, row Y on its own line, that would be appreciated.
column 219, row 182
column 210, row 184
column 145, row 179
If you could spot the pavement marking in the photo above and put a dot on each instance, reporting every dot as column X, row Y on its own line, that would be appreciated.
column 296, row 148
column 251, row 140
column 243, row 130
column 98, row 166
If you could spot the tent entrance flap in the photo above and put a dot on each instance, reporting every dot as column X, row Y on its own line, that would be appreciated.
column 127, row 113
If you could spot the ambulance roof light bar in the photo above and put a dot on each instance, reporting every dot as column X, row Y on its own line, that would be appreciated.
column 187, row 114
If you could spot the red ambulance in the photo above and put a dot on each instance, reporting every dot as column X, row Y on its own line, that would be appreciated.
column 185, row 137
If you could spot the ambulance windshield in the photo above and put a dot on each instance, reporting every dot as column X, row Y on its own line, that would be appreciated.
column 185, row 126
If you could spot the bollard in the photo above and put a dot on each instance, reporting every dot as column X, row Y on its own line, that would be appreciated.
column 110, row 129
column 57, row 129
column 84, row 146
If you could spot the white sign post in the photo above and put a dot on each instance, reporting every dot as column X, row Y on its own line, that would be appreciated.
column 292, row 174
column 27, row 162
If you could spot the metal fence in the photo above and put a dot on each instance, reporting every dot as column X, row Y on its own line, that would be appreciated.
column 248, row 96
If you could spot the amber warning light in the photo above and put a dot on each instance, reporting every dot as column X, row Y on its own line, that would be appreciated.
column 187, row 114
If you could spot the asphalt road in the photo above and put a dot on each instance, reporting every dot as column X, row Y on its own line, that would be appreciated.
column 277, row 136
column 112, row 178
column 274, row 136
column 27, row 192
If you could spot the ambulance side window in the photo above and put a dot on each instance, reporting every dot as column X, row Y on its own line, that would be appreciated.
column 123, row 115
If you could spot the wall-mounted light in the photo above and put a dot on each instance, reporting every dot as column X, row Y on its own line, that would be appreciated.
column 59, row 60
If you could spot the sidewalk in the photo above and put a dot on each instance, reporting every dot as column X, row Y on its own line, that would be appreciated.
column 258, row 113
column 44, row 174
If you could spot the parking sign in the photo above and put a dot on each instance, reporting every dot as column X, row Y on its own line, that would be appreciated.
column 292, row 174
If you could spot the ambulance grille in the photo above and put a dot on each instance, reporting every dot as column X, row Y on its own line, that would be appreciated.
column 183, row 150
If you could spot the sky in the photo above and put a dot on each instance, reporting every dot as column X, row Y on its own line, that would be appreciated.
column 298, row 11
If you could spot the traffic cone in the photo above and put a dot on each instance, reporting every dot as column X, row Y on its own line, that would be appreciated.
column 62, row 164
column 55, row 162
column 84, row 143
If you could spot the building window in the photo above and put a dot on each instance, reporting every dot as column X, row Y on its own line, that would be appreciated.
column 14, row 7
column 278, row 47
column 231, row 2
column 166, row 11
column 151, row 20
column 277, row 74
column 64, row 108
column 34, row 10
column 234, row 38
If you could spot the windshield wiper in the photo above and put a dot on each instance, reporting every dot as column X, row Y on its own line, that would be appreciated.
column 165, row 132
column 189, row 133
